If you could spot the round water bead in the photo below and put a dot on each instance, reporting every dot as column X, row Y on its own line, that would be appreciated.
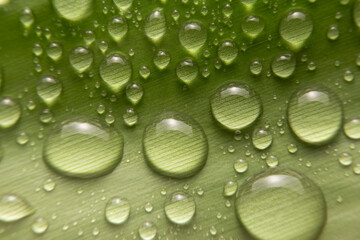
column 283, row 65
column 261, row 138
column 235, row 105
column 147, row 231
column 315, row 114
column 175, row 145
column 155, row 25
column 230, row 188
column 273, row 204
column 228, row 52
column 187, row 71
column 117, row 210
column 241, row 166
column 40, row 225
column 180, row 208
column 10, row 112
column 192, row 36
column 83, row 147
column 345, row 159
column 352, row 128
column 256, row 67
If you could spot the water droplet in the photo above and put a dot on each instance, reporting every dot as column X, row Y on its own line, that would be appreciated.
column 352, row 128
column 180, row 208
column 292, row 148
column 155, row 25
column 148, row 207
column 10, row 112
column 123, row 5
column 295, row 28
column 256, row 67
column 356, row 13
column 175, row 145
column 81, row 59
column 333, row 32
column 161, row 59
column 54, row 51
column 49, row 185
column 252, row 26
column 213, row 230
column 283, row 65
column 235, row 105
column 103, row 46
column 37, row 50
column 241, row 166
column 192, row 36
column 228, row 52
column 49, row 89
column 315, row 114
column 147, row 231
column 27, row 18
column 134, row 92
column 130, row 117
column 95, row 231
column 230, row 188
column 187, row 71
column 84, row 148
column 115, row 71
column 14, row 208
column 248, row 3
column 109, row 119
column 22, row 138
column 266, row 193
column 144, row 72
column 261, row 138
column 272, row 161
column 117, row 28
column 345, row 159
column 73, row 10
column 40, row 225
column 349, row 76
column 227, row 10
column 117, row 210
column 356, row 169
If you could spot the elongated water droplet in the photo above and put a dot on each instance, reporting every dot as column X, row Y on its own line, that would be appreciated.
column 117, row 210
column 73, row 10
column 116, row 71
column 315, row 114
column 134, row 92
column 49, row 89
column 352, row 128
column 175, row 145
column 252, row 26
column 187, row 71
column 10, row 112
column 333, row 32
column 54, row 51
column 27, row 18
column 283, row 65
column 130, row 117
column 118, row 28
column 180, row 208
column 235, row 105
column 162, row 59
column 256, row 67
column 123, row 5
column 14, row 208
column 81, row 59
column 192, row 36
column 40, row 225
column 84, row 148
column 268, row 191
column 155, row 25
column 261, row 138
column 147, row 231
column 230, row 188
column 228, row 52
column 144, row 72
column 295, row 28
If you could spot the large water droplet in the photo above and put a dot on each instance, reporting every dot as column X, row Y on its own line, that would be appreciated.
column 175, row 145
column 192, row 36
column 73, row 10
column 117, row 28
column 117, row 210
column 81, row 59
column 352, row 128
column 252, row 26
column 54, row 51
column 187, row 71
column 14, row 208
column 155, row 25
column 147, row 231
column 84, row 148
column 228, row 52
column 274, row 203
column 162, row 59
column 295, row 28
column 283, row 65
column 123, row 5
column 10, row 112
column 180, row 208
column 49, row 89
column 315, row 114
column 115, row 71
column 40, row 225
column 235, row 105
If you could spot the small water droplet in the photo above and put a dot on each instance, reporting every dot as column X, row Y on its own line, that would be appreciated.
column 123, row 5
column 345, row 159
column 261, row 138
column 256, row 67
column 283, row 65
column 292, row 148
column 192, row 36
column 252, row 26
column 272, row 161
column 161, row 59
column 14, row 208
column 148, row 207
column 10, row 112
column 22, row 138
column 40, row 225
column 228, row 52
column 130, row 117
column 180, row 208
column 49, row 89
column 54, row 51
column 144, row 72
column 27, row 18
column 81, row 59
column 356, row 169
column 349, row 76
column 352, row 128
column 134, row 92
column 49, row 185
column 333, row 32
column 147, row 231
column 117, row 210
column 187, row 71
column 240, row 166
column 230, row 188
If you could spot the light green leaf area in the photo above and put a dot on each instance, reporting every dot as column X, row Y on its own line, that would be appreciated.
column 75, row 208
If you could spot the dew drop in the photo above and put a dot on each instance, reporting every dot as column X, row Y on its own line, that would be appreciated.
column 155, row 25
column 256, row 67
column 37, row 50
column 252, row 26
column 22, row 138
column 295, row 28
column 40, row 225
column 230, row 188
column 261, row 138
column 144, row 72
column 161, row 59
column 134, row 92
column 147, row 231
column 187, row 71
column 54, row 51
column 241, row 166
column 46, row 116
column 352, row 128
column 272, row 161
column 117, row 28
column 267, row 191
column 349, row 76
column 117, row 210
column 83, row 147
column 315, row 114
column 148, row 207
column 49, row 185
column 27, row 18
column 115, row 71
column 235, row 105
column 73, row 10
column 81, row 59
column 89, row 37
column 345, row 159
column 14, row 208
column 292, row 148
column 180, row 208
column 49, row 89
column 130, row 117
column 283, row 65
column 175, row 145
column 10, row 112
column 228, row 52
column 192, row 36
column 333, row 32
